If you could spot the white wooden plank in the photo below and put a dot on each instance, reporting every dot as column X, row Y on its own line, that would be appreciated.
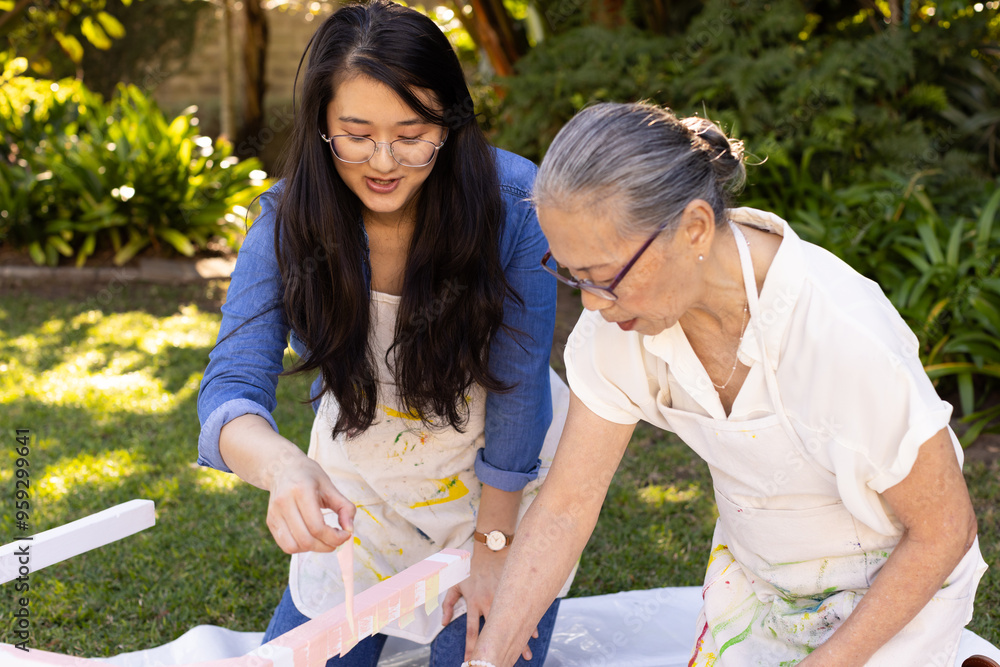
column 90, row 532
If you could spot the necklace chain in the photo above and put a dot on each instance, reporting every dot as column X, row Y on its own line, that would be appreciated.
column 743, row 330
column 736, row 361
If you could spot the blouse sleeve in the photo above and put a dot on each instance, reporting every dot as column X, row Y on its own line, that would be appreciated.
column 606, row 370
column 873, row 405
column 243, row 369
column 517, row 421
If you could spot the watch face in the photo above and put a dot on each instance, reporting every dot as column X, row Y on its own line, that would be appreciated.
column 496, row 540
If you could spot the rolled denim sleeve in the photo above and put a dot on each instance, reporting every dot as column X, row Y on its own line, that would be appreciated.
column 243, row 369
column 517, row 421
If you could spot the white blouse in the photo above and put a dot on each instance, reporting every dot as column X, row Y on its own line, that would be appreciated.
column 847, row 370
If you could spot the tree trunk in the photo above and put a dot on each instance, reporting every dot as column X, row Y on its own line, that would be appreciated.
column 226, row 110
column 505, row 29
column 254, row 62
column 468, row 22
column 487, row 25
column 608, row 13
column 896, row 12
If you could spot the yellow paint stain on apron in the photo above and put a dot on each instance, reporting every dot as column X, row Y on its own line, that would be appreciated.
column 377, row 574
column 412, row 415
column 717, row 549
column 453, row 487
column 370, row 515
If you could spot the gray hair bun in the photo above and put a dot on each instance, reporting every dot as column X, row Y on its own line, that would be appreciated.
column 725, row 154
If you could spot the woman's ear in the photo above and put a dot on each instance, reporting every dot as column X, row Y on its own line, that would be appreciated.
column 697, row 226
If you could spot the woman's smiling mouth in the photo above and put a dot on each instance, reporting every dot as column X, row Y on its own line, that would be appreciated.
column 381, row 185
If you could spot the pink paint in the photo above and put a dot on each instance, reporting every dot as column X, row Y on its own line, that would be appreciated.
column 345, row 557
column 312, row 643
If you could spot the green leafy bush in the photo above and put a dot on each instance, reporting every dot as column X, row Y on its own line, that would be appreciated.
column 878, row 144
column 858, row 99
column 941, row 273
column 944, row 277
column 80, row 174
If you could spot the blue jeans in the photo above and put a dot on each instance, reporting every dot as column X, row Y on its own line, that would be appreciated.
column 447, row 649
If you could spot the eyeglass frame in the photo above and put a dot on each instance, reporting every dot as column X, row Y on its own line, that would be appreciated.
column 329, row 141
column 605, row 292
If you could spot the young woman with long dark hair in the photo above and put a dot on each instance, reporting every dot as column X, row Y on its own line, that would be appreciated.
column 399, row 254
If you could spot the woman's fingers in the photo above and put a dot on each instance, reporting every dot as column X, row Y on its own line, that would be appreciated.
column 322, row 536
column 295, row 511
column 344, row 508
column 526, row 653
column 289, row 530
column 448, row 608
column 282, row 537
column 472, row 617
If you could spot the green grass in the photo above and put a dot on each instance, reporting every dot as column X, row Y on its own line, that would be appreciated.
column 109, row 394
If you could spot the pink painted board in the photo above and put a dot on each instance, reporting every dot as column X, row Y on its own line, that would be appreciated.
column 313, row 642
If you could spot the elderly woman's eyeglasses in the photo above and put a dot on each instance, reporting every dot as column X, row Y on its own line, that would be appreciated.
column 604, row 291
column 353, row 149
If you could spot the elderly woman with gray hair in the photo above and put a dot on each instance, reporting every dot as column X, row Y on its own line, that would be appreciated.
column 846, row 535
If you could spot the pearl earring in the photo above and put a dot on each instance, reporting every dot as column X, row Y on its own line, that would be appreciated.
column 701, row 258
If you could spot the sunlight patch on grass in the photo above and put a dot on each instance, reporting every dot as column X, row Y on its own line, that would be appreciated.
column 189, row 328
column 657, row 495
column 62, row 476
column 69, row 384
column 215, row 480
column 115, row 367
column 28, row 346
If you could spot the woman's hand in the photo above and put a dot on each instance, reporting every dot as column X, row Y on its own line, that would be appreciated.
column 300, row 488
column 497, row 511
column 300, row 492
column 478, row 591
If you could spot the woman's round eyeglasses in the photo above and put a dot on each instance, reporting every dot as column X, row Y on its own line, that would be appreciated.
column 353, row 149
column 604, row 291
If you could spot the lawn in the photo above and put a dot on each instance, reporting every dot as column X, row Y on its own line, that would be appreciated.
column 107, row 383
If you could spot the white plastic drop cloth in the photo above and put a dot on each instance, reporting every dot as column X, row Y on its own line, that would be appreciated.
column 647, row 628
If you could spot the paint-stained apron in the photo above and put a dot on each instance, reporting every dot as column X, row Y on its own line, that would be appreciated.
column 415, row 488
column 789, row 563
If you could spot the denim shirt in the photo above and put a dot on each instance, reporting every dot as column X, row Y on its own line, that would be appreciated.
column 243, row 368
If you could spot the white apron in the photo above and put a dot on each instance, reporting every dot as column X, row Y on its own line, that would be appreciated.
column 415, row 488
column 789, row 563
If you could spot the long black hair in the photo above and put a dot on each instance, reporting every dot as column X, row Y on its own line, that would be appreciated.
column 454, row 286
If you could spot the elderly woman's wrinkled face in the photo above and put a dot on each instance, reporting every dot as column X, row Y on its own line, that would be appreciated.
column 659, row 288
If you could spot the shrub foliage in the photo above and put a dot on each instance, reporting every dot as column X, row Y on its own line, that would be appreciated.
column 879, row 143
column 79, row 174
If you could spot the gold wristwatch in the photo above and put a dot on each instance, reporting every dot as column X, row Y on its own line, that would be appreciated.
column 494, row 540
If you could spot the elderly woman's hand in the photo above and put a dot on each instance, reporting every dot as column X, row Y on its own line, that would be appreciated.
column 478, row 591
